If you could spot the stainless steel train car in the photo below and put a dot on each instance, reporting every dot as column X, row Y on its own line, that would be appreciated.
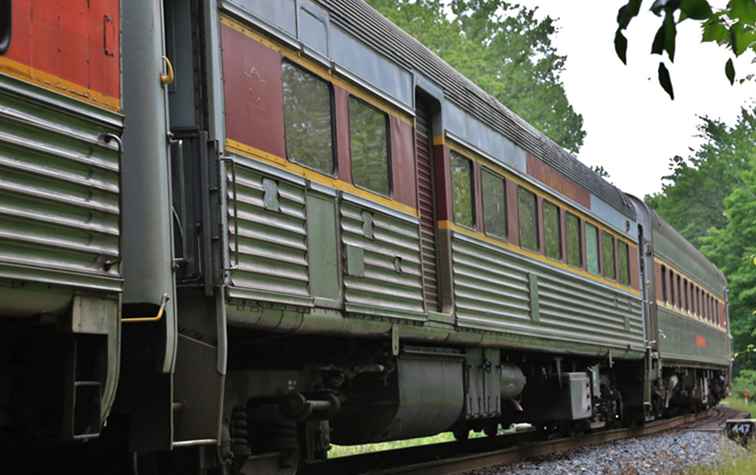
column 290, row 225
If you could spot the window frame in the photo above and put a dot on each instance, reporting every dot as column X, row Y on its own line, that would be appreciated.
column 536, row 219
column 389, row 158
column 473, row 200
column 504, row 190
column 581, row 259
column 332, row 105
column 598, row 249
column 613, row 260
column 559, row 236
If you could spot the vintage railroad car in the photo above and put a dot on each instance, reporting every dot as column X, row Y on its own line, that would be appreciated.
column 60, row 218
column 318, row 232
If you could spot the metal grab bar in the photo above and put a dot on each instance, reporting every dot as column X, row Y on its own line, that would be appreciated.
column 167, row 78
column 161, row 311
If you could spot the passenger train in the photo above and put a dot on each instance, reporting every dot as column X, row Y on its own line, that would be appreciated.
column 235, row 232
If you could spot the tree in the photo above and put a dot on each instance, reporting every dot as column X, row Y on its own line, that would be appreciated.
column 710, row 198
column 731, row 248
column 693, row 194
column 733, row 26
column 501, row 47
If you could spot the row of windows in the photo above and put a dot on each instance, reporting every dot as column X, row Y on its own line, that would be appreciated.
column 687, row 296
column 604, row 255
column 308, row 125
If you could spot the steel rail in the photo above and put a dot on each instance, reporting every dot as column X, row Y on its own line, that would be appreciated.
column 454, row 458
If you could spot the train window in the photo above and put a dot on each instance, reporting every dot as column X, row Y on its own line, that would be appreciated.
column 6, row 15
column 527, row 208
column 494, row 203
column 607, row 249
column 552, row 231
column 672, row 288
column 368, row 135
column 623, row 263
column 574, row 250
column 592, row 248
column 308, row 119
column 664, row 295
column 462, row 190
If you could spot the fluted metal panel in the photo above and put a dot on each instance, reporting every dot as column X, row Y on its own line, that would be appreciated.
column 390, row 284
column 493, row 291
column 267, row 244
column 59, row 190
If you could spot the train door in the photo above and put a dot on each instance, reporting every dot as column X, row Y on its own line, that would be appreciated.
column 195, row 187
column 426, row 194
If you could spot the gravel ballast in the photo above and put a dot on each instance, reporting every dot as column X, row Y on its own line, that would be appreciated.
column 660, row 454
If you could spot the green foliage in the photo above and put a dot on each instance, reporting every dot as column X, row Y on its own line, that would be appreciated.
column 745, row 381
column 501, row 47
column 711, row 199
column 732, row 27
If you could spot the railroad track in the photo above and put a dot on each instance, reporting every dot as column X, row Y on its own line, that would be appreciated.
column 454, row 457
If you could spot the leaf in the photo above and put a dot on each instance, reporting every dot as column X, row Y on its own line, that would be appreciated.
column 696, row 9
column 658, row 45
column 741, row 38
column 730, row 72
column 665, row 81
column 670, row 35
column 627, row 12
column 620, row 46
column 714, row 30
column 744, row 10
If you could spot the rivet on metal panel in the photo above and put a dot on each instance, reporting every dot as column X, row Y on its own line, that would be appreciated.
column 395, row 340
column 535, row 309
column 367, row 224
column 270, row 199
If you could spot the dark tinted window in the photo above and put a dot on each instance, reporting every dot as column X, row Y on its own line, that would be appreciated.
column 494, row 203
column 623, row 263
column 552, row 231
column 527, row 215
column 592, row 248
column 307, row 119
column 462, row 190
column 574, row 251
column 368, row 135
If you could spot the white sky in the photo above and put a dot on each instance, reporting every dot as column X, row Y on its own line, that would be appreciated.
column 632, row 126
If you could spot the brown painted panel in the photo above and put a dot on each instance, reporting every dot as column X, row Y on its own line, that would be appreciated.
column 403, row 161
column 547, row 175
column 441, row 166
column 253, row 93
column 343, row 152
column 477, row 197
column 657, row 280
column 512, row 216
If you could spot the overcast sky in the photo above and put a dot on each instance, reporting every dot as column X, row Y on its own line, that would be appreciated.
column 632, row 126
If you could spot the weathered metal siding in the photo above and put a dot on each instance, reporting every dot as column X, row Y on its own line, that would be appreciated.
column 500, row 291
column 267, row 236
column 59, row 190
column 685, row 339
column 387, row 280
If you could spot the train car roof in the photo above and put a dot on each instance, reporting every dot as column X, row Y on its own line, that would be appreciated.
column 365, row 23
column 671, row 246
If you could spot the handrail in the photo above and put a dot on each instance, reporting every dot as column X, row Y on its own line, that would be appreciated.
column 167, row 78
column 163, row 302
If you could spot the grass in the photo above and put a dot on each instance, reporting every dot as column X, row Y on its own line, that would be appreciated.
column 347, row 450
